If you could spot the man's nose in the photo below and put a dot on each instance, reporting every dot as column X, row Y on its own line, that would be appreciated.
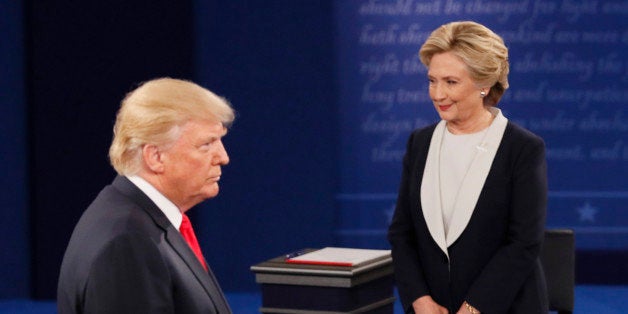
column 221, row 157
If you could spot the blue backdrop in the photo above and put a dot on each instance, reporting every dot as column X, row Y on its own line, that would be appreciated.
column 274, row 61
column 14, row 226
column 568, row 83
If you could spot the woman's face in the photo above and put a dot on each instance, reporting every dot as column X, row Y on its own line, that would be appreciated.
column 455, row 95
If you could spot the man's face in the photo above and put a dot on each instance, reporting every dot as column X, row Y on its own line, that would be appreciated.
column 192, row 165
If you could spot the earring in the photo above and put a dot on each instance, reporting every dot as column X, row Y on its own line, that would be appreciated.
column 482, row 94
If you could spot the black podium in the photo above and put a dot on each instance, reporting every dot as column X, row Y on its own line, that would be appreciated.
column 325, row 289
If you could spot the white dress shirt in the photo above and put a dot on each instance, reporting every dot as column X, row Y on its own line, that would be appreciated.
column 169, row 209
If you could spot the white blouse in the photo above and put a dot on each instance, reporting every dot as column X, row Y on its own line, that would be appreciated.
column 456, row 153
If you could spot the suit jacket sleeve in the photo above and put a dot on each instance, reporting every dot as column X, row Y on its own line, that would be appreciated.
column 129, row 276
column 502, row 278
column 401, row 235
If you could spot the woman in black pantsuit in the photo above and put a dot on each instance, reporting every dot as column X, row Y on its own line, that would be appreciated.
column 470, row 215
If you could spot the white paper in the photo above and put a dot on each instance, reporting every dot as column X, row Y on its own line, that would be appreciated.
column 336, row 255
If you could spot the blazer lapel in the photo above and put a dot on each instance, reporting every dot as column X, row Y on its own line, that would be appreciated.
column 430, row 190
column 176, row 241
column 207, row 279
column 473, row 182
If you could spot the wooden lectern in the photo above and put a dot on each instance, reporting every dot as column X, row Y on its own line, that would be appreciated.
column 365, row 288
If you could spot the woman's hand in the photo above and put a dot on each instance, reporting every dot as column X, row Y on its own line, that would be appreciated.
column 466, row 308
column 427, row 305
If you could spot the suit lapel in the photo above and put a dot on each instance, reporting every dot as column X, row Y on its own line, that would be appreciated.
column 471, row 186
column 473, row 182
column 430, row 190
column 176, row 241
column 207, row 279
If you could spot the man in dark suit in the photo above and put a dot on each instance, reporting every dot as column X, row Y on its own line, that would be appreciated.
column 133, row 250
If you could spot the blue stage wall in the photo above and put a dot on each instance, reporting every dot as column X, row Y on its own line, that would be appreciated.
column 14, row 226
column 568, row 84
column 82, row 58
column 274, row 61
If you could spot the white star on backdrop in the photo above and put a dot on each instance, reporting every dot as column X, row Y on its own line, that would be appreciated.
column 587, row 212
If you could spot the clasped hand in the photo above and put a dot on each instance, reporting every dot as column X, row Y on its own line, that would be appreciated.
column 427, row 305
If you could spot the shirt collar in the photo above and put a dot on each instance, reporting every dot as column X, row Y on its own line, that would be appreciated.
column 169, row 209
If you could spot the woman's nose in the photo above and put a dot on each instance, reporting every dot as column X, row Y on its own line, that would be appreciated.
column 438, row 93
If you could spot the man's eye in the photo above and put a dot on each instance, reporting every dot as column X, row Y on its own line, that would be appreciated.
column 206, row 145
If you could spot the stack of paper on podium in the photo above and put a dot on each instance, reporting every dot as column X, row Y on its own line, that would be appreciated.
column 336, row 256
column 326, row 281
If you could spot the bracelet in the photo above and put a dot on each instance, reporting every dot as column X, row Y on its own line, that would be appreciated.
column 470, row 308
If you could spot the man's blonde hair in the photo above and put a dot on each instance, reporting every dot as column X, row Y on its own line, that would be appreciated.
column 483, row 51
column 154, row 113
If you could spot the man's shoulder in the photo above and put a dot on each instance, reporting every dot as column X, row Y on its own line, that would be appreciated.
column 115, row 213
column 110, row 215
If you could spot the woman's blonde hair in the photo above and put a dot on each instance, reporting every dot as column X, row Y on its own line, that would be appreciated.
column 154, row 113
column 483, row 51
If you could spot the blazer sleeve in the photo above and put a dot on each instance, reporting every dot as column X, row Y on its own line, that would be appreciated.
column 129, row 276
column 401, row 235
column 502, row 278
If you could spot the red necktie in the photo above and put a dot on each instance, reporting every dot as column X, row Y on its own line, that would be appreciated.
column 188, row 234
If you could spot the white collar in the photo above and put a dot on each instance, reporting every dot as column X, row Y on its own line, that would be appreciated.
column 470, row 188
column 169, row 209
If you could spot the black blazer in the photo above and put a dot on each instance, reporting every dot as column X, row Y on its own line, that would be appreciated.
column 494, row 264
column 125, row 256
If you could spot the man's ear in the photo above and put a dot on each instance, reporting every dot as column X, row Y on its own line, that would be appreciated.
column 152, row 158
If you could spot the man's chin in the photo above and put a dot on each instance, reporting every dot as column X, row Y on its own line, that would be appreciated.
column 212, row 192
